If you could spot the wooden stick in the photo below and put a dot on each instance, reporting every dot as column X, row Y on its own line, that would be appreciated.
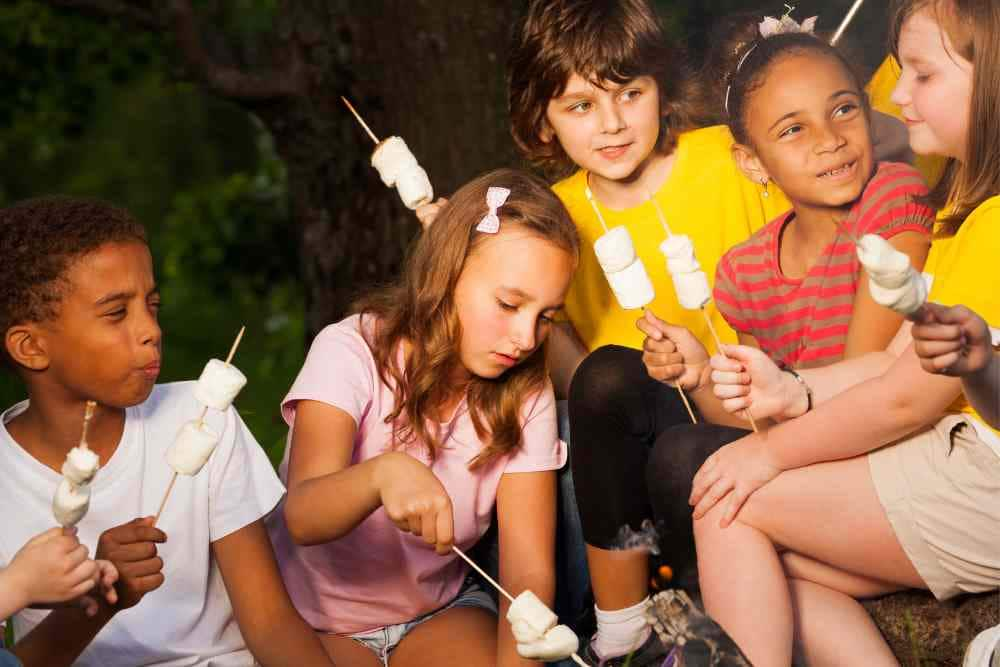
column 478, row 569
column 497, row 586
column 659, row 214
column 363, row 123
column 845, row 231
column 163, row 503
column 201, row 420
column 593, row 204
column 88, row 414
column 718, row 345
column 236, row 344
column 694, row 420
column 846, row 22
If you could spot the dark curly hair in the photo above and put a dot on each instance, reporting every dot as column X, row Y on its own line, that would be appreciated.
column 39, row 240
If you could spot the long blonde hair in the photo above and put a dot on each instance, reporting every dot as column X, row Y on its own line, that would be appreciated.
column 420, row 310
column 972, row 27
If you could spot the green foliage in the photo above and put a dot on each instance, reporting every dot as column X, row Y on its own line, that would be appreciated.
column 91, row 110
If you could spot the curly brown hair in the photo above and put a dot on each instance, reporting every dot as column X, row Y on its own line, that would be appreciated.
column 602, row 41
column 420, row 309
column 39, row 240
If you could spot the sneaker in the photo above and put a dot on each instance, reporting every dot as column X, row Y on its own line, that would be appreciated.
column 652, row 653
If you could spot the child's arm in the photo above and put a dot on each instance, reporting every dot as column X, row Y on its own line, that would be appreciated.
column 64, row 634
column 274, row 631
column 870, row 415
column 320, row 469
column 957, row 342
column 873, row 326
column 526, row 509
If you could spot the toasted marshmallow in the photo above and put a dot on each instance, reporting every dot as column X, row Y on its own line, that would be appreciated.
column 529, row 613
column 414, row 187
column 70, row 503
column 391, row 158
column 80, row 466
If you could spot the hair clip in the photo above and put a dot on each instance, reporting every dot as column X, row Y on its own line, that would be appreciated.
column 495, row 198
column 771, row 26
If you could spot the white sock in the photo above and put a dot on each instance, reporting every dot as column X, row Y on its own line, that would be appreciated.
column 621, row 631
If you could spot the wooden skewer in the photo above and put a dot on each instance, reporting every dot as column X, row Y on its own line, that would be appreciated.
column 88, row 414
column 718, row 344
column 499, row 588
column 846, row 22
column 593, row 204
column 201, row 420
column 694, row 420
column 363, row 123
column 845, row 231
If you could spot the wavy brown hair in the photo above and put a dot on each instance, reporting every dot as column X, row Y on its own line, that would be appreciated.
column 972, row 26
column 419, row 310
column 601, row 40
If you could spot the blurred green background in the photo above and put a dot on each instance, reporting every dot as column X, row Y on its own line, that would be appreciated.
column 93, row 107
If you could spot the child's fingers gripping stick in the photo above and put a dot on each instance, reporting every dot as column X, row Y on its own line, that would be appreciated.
column 131, row 547
column 952, row 340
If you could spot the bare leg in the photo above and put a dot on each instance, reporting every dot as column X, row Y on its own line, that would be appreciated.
column 620, row 579
column 458, row 637
column 834, row 629
column 345, row 651
column 828, row 512
column 802, row 567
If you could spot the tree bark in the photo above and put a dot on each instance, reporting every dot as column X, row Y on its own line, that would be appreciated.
column 431, row 72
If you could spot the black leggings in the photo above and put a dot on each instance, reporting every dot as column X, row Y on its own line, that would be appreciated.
column 618, row 414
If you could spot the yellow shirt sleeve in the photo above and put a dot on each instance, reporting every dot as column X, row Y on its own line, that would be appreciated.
column 706, row 198
column 962, row 267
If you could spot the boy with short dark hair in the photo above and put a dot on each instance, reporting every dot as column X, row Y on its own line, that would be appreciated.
column 78, row 314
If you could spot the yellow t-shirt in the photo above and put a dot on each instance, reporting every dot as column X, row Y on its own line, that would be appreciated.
column 879, row 90
column 963, row 269
column 705, row 197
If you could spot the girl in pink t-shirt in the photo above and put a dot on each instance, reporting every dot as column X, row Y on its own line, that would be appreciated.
column 416, row 416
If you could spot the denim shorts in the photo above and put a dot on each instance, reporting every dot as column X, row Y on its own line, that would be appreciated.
column 382, row 641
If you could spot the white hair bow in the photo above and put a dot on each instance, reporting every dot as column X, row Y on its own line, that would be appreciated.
column 495, row 198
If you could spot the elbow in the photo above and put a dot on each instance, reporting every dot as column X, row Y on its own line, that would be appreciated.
column 297, row 521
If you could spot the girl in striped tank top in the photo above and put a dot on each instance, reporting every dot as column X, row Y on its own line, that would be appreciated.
column 882, row 477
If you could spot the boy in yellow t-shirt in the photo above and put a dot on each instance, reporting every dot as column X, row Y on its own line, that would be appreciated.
column 597, row 89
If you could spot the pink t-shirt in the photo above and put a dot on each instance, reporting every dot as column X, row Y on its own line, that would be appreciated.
column 377, row 575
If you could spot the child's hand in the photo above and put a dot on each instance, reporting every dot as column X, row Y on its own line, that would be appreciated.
column 747, row 378
column 415, row 500
column 131, row 548
column 105, row 578
column 51, row 567
column 951, row 341
column 428, row 213
column 672, row 354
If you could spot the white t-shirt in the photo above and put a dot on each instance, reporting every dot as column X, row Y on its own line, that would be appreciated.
column 189, row 619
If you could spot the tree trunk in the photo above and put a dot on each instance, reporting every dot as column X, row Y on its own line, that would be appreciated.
column 430, row 72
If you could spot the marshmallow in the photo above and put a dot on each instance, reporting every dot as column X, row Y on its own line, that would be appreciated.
column 692, row 289
column 414, row 187
column 70, row 503
column 690, row 282
column 219, row 384
column 884, row 264
column 391, row 158
column 80, row 466
column 632, row 286
column 528, row 613
column 557, row 644
column 191, row 448
column 614, row 250
column 907, row 299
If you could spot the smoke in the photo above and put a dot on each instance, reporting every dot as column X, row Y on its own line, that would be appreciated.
column 647, row 538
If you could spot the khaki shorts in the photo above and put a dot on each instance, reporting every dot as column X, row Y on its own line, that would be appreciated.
column 941, row 492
